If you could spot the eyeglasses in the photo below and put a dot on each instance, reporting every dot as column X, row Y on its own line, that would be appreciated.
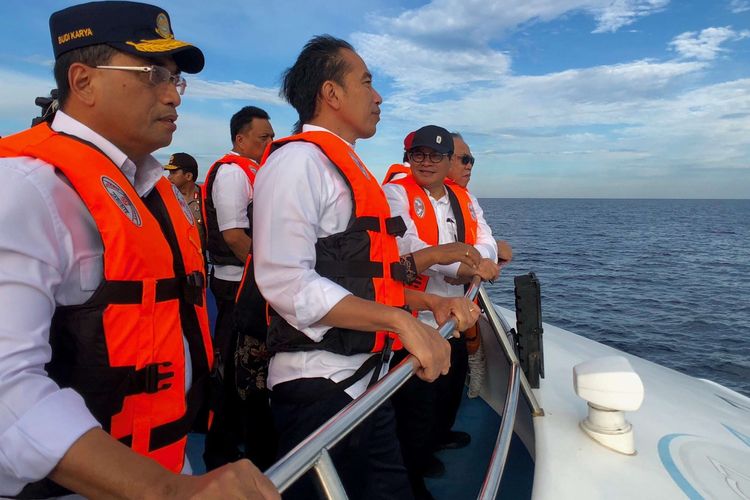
column 156, row 75
column 466, row 159
column 419, row 157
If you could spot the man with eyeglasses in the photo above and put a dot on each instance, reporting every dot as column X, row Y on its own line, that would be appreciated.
column 435, row 213
column 106, row 351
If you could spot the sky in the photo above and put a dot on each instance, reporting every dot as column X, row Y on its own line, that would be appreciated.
column 556, row 98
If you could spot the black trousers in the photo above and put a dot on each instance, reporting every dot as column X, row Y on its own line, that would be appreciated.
column 449, row 388
column 226, row 429
column 368, row 459
column 236, row 421
column 414, row 405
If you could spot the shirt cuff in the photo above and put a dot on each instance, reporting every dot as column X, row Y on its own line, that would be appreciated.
column 36, row 442
column 447, row 270
column 314, row 302
column 486, row 252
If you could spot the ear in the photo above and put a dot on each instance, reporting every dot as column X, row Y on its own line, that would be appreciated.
column 190, row 174
column 330, row 94
column 82, row 81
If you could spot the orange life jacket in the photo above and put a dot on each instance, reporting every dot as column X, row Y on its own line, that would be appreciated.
column 364, row 258
column 394, row 170
column 123, row 349
column 423, row 215
column 218, row 250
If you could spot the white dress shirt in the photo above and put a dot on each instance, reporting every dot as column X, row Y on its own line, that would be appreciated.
column 231, row 193
column 50, row 255
column 447, row 233
column 301, row 197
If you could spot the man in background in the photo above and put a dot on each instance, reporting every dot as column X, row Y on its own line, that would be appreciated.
column 228, row 201
column 183, row 172
column 462, row 163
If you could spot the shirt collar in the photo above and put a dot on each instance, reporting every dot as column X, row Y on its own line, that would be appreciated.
column 442, row 199
column 143, row 175
column 307, row 127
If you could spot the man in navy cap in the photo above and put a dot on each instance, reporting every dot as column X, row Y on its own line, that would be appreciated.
column 436, row 213
column 106, row 349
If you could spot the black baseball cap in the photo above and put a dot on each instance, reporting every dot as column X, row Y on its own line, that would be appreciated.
column 432, row 136
column 135, row 28
column 183, row 161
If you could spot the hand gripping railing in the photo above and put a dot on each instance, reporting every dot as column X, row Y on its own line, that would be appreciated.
column 312, row 452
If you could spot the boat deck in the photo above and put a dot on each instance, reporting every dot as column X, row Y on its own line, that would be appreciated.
column 465, row 468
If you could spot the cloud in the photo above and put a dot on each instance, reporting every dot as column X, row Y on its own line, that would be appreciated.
column 618, row 13
column 234, row 90
column 417, row 67
column 706, row 44
column 577, row 97
column 17, row 99
column 475, row 22
column 738, row 6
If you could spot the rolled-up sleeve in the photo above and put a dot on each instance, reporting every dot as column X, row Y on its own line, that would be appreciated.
column 38, row 421
column 231, row 193
column 294, row 192
column 410, row 241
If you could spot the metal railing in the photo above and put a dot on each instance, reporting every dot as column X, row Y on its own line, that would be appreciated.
column 502, row 445
column 312, row 452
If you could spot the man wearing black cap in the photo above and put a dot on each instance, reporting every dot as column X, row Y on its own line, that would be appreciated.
column 183, row 172
column 101, row 277
column 435, row 214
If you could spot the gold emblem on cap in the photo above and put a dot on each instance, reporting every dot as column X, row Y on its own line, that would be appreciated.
column 162, row 26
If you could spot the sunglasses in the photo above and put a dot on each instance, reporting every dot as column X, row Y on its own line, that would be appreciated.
column 466, row 159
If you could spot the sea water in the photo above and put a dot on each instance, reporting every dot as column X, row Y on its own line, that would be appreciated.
column 665, row 280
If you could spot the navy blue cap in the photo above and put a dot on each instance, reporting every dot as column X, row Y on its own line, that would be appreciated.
column 135, row 28
column 431, row 136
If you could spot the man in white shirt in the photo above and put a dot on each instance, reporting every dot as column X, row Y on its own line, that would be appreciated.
column 435, row 214
column 118, row 73
column 461, row 166
column 328, row 293
column 228, row 201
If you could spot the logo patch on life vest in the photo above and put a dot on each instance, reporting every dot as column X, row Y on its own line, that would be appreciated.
column 418, row 207
column 360, row 165
column 472, row 212
column 183, row 204
column 121, row 200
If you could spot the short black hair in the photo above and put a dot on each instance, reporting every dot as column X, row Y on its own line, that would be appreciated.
column 243, row 118
column 93, row 55
column 319, row 61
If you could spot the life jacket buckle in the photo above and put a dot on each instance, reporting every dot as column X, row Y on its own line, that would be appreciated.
column 152, row 377
column 195, row 283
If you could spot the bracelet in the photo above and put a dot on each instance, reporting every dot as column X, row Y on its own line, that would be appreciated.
column 410, row 267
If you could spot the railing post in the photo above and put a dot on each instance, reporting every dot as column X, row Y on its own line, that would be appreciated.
column 330, row 483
